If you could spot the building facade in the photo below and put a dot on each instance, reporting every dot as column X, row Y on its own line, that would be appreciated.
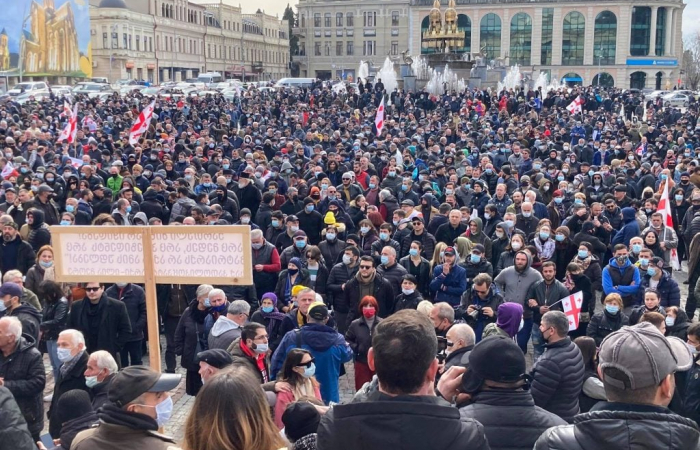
column 624, row 43
column 175, row 40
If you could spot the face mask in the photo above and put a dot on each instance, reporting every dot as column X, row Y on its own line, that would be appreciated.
column 310, row 371
column 188, row 177
column 583, row 254
column 384, row 259
column 384, row 236
column 442, row 255
column 128, row 209
column 448, row 191
column 65, row 222
column 612, row 309
column 309, row 208
column 621, row 260
column 475, row 259
column 46, row 264
column 522, row 324
column 364, row 230
column 408, row 291
column 347, row 260
column 487, row 216
column 392, row 174
column 267, row 309
column 591, row 172
column 643, row 262
column 516, row 246
column 651, row 271
column 544, row 235
column 64, row 355
column 664, row 176
column 294, row 228
column 537, row 166
column 413, row 252
column 207, row 303
column 91, row 382
column 330, row 236
column 545, row 188
column 275, row 223
column 527, row 214
column 300, row 243
column 369, row 312
column 636, row 248
column 241, row 184
column 261, row 349
column 679, row 198
column 2, row 307
column 245, row 220
column 372, row 185
column 670, row 321
column 164, row 410
column 510, row 223
column 257, row 246
column 560, row 237
column 324, row 186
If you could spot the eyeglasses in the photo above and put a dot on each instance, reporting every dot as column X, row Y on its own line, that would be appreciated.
column 481, row 292
column 365, row 267
column 92, row 289
column 306, row 364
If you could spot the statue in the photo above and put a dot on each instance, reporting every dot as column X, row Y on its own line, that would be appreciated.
column 406, row 57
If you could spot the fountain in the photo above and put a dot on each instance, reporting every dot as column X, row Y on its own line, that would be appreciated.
column 388, row 76
column 512, row 80
column 542, row 82
column 443, row 81
column 362, row 71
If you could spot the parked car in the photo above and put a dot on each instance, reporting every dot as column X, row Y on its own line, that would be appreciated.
column 677, row 100
column 27, row 88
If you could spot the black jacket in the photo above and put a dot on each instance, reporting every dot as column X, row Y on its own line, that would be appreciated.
column 24, row 375
column 53, row 321
column 134, row 298
column 16, row 254
column 114, row 329
column 603, row 323
column 14, row 433
column 30, row 318
column 99, row 393
column 510, row 418
column 339, row 275
column 403, row 423
column 623, row 427
column 558, row 379
column 359, row 337
column 190, row 336
column 74, row 379
column 383, row 293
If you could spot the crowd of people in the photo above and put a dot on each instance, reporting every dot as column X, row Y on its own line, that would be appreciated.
column 429, row 257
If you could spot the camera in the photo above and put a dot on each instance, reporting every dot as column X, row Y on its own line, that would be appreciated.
column 441, row 349
column 476, row 312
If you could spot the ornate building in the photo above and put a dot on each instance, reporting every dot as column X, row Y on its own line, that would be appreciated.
column 4, row 51
column 51, row 44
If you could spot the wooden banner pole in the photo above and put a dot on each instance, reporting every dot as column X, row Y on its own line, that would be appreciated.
column 151, row 301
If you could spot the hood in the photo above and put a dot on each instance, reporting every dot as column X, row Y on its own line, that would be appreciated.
column 71, row 428
column 140, row 216
column 186, row 201
column 38, row 218
column 505, row 227
column 529, row 260
column 429, row 198
column 150, row 194
column 479, row 224
column 320, row 337
column 23, row 308
column 464, row 246
column 508, row 318
column 286, row 165
column 628, row 214
column 222, row 325
column 613, row 262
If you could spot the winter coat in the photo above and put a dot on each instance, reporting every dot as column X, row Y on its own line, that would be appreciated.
column 394, row 275
column 14, row 433
column 427, row 239
column 134, row 298
column 30, row 318
column 190, row 338
column 49, row 210
column 24, row 376
column 359, row 337
column 223, row 333
column 604, row 323
column 339, row 275
column 481, row 320
column 447, row 233
column 241, row 359
column 623, row 427
column 182, row 207
column 53, row 319
column 510, row 418
column 329, row 349
column 115, row 326
column 302, row 279
column 16, row 254
column 545, row 297
column 424, row 275
column 74, row 379
column 410, row 301
column 668, row 289
column 73, row 427
column 448, row 288
column 312, row 224
column 383, row 293
column 629, row 230
column 405, row 422
column 637, row 313
column 622, row 277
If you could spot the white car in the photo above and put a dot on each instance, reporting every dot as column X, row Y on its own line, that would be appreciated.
column 677, row 100
column 33, row 96
column 654, row 94
column 28, row 88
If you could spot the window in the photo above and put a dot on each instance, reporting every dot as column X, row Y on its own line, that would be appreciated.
column 138, row 43
column 339, row 48
column 491, row 35
column 394, row 18
column 547, row 33
column 327, row 20
column 338, row 33
column 464, row 25
column 208, row 50
column 349, row 20
column 638, row 80
column 520, row 39
column 115, row 39
column 338, row 19
column 660, row 43
column 105, row 40
column 349, row 33
column 350, row 48
column 327, row 49
column 394, row 32
column 317, row 20
column 641, row 31
column 369, row 48
column 129, row 42
column 369, row 32
column 394, row 47
column 125, row 40
column 327, row 33
column 573, row 37
column 370, row 18
column 604, row 38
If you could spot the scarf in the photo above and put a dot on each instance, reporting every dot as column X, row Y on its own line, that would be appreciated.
column 569, row 282
column 303, row 389
column 69, row 365
column 584, row 263
column 272, row 317
column 259, row 360
column 114, row 415
column 546, row 250
column 301, row 319
column 366, row 285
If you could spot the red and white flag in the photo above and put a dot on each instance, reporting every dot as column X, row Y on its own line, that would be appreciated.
column 572, row 309
column 70, row 131
column 66, row 110
column 9, row 171
column 379, row 120
column 141, row 124
column 665, row 209
column 576, row 105
column 89, row 123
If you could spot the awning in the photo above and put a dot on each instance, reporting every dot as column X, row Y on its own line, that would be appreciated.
column 573, row 80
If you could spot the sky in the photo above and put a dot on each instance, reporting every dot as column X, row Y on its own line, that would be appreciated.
column 691, row 15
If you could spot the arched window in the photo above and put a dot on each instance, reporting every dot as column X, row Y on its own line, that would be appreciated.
column 424, row 26
column 572, row 79
column 573, row 39
column 603, row 79
column 464, row 24
column 641, row 31
column 638, row 80
column 491, row 35
column 659, row 76
column 605, row 36
column 520, row 39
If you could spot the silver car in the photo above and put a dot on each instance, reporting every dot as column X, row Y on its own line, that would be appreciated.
column 677, row 100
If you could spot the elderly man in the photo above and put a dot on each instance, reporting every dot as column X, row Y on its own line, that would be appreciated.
column 212, row 361
column 390, row 270
column 460, row 342
column 527, row 221
column 266, row 262
column 14, row 252
column 22, row 372
column 11, row 304
column 100, row 371
column 227, row 328
column 74, row 359
column 43, row 201
column 442, row 315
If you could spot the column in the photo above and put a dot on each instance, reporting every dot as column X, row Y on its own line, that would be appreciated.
column 589, row 39
column 556, row 37
column 624, row 25
column 670, row 25
column 476, row 31
column 536, row 53
column 505, row 35
column 652, row 37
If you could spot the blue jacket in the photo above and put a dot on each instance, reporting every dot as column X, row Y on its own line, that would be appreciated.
column 455, row 284
column 622, row 290
column 669, row 291
column 329, row 349
column 525, row 167
column 629, row 230
column 577, row 133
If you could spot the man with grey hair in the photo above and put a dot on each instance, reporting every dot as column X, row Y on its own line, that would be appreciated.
column 227, row 328
column 28, row 295
column 559, row 374
column 71, row 375
column 390, row 269
column 443, row 317
column 460, row 342
column 22, row 372
column 100, row 371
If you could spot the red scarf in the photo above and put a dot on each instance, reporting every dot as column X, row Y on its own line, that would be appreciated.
column 259, row 360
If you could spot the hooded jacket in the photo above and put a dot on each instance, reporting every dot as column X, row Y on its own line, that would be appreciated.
column 14, row 433
column 479, row 237
column 629, row 230
column 30, row 318
column 514, row 284
column 16, row 254
column 182, row 207
column 223, row 333
column 329, row 349
column 618, row 279
column 39, row 234
column 454, row 284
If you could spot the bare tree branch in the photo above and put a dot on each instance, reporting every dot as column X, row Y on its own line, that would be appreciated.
column 691, row 60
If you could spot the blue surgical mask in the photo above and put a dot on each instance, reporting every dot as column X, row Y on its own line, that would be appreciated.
column 309, row 208
column 510, row 223
column 404, row 187
column 301, row 243
column 679, row 197
column 330, row 236
column 560, row 178
column 612, row 309
column 537, row 166
column 651, row 271
column 544, row 235
column 475, row 259
column 64, row 354
column 91, row 382
column 226, row 166
column 664, row 176
column 392, row 174
column 364, row 230
column 310, row 371
column 578, row 201
column 275, row 223
column 582, row 254
column 267, row 309
column 384, row 236
column 489, row 171
column 527, row 214
column 559, row 237
column 670, row 321
column 372, row 185
column 643, row 261
column 70, row 208
column 128, row 209
column 384, row 259
column 408, row 291
column 558, row 200
column 261, row 349
column 413, row 252
column 164, row 410
column 65, row 222
column 207, row 303
column 46, row 264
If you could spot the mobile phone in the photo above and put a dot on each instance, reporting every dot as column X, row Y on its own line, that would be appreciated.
column 47, row 440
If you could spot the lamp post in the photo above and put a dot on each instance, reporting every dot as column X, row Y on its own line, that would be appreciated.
column 600, row 58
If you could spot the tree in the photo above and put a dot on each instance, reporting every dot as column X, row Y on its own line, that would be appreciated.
column 290, row 17
column 691, row 61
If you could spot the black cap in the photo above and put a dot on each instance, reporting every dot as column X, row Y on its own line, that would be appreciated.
column 218, row 358
column 134, row 381
column 300, row 419
column 318, row 311
column 498, row 359
column 44, row 188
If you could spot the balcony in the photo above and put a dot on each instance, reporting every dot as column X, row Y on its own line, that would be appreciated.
column 298, row 31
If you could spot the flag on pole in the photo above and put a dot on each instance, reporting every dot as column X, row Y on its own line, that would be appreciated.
column 576, row 105
column 89, row 123
column 66, row 110
column 665, row 209
column 9, row 171
column 70, row 131
column 141, row 124
column 572, row 309
column 379, row 120
column 76, row 163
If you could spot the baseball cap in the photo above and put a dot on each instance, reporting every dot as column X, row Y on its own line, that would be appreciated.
column 11, row 289
column 408, row 202
column 299, row 234
column 134, row 381
column 450, row 251
column 642, row 356
column 498, row 359
column 479, row 249
column 318, row 311
column 218, row 358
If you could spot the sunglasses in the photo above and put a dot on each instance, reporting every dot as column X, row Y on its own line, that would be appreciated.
column 365, row 267
column 308, row 364
column 481, row 292
column 92, row 289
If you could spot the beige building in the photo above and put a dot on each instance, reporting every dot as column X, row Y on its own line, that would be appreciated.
column 625, row 43
column 164, row 40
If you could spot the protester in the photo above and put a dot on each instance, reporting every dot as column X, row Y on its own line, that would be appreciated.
column 298, row 373
column 359, row 337
column 211, row 362
column 134, row 298
column 301, row 421
column 609, row 320
column 14, row 433
column 100, row 371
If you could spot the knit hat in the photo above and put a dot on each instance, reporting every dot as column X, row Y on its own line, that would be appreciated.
column 563, row 230
column 73, row 404
column 495, row 359
column 300, row 419
column 329, row 218
column 271, row 296
column 296, row 289
column 296, row 261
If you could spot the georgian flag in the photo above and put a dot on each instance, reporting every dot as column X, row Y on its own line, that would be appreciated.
column 89, row 123
column 665, row 209
column 575, row 106
column 572, row 309
column 141, row 124
column 66, row 110
column 379, row 120
column 70, row 131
